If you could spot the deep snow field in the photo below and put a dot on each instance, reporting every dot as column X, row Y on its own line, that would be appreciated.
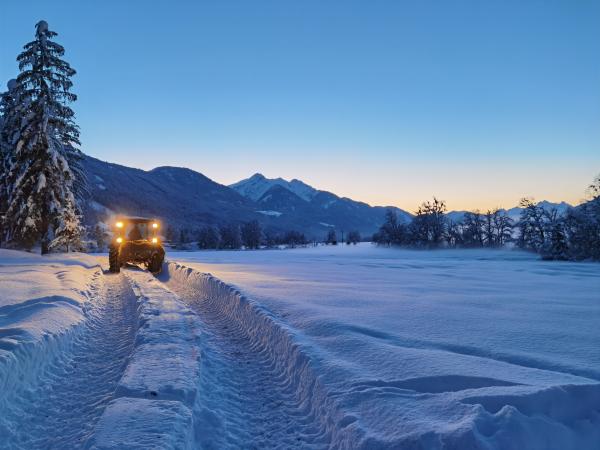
column 326, row 347
column 421, row 349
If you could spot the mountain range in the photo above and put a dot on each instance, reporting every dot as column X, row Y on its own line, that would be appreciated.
column 183, row 198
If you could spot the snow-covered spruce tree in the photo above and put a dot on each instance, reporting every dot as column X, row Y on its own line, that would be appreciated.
column 46, row 177
column 9, row 128
column 69, row 231
column 101, row 236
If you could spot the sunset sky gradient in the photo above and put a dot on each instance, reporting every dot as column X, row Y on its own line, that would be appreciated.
column 388, row 102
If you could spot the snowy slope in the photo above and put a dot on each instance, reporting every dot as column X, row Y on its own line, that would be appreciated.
column 184, row 198
column 309, row 206
column 42, row 302
column 256, row 186
column 408, row 349
column 178, row 196
column 44, row 306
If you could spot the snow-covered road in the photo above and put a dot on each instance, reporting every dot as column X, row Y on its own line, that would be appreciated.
column 140, row 362
column 249, row 398
column 316, row 348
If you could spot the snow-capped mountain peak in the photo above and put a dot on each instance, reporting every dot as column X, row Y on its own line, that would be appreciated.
column 257, row 185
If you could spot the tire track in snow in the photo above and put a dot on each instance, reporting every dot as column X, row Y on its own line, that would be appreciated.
column 62, row 408
column 251, row 406
column 244, row 399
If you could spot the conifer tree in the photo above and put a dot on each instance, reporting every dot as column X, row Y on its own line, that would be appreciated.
column 69, row 232
column 251, row 233
column 208, row 238
column 45, row 175
column 331, row 238
column 230, row 237
column 100, row 236
column 9, row 125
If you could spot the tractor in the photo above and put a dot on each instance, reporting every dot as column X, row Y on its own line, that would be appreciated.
column 135, row 240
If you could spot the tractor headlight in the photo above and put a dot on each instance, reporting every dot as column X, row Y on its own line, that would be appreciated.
column 119, row 224
column 154, row 240
column 155, row 225
column 119, row 240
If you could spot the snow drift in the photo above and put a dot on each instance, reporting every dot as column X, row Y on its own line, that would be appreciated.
column 43, row 302
column 400, row 349
column 273, row 338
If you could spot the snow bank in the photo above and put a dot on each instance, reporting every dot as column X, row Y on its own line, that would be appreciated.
column 407, row 349
column 43, row 301
column 271, row 337
column 154, row 400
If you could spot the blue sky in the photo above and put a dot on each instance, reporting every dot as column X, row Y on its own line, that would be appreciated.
column 389, row 102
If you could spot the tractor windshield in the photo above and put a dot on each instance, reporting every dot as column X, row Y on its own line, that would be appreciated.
column 137, row 231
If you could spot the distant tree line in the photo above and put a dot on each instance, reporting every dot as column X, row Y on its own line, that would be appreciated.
column 353, row 237
column 249, row 235
column 573, row 235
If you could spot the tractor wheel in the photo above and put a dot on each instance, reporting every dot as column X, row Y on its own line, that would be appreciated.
column 155, row 263
column 113, row 260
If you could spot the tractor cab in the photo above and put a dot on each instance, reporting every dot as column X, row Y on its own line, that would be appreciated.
column 136, row 241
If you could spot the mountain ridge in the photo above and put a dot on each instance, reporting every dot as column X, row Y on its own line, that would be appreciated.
column 184, row 198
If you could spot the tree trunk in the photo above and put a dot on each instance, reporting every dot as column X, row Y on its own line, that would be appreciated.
column 45, row 237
